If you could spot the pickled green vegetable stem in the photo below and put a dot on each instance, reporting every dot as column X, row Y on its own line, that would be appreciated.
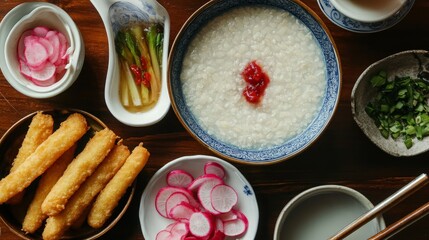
column 139, row 48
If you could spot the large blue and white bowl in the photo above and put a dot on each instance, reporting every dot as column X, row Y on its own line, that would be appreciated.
column 289, row 147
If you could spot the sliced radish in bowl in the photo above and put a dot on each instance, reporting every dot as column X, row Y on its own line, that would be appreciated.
column 219, row 203
column 179, row 178
column 223, row 198
column 202, row 179
column 213, row 217
column 35, row 53
column 42, row 55
column 163, row 195
column 182, row 211
column 40, row 31
column 201, row 224
column 204, row 195
column 215, row 169
column 174, row 200
column 235, row 227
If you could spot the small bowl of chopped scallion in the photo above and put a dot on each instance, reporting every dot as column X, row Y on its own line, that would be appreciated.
column 390, row 103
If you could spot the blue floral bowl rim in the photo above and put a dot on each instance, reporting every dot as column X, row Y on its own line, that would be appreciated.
column 274, row 154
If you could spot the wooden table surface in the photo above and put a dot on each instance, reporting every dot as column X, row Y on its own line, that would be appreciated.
column 342, row 155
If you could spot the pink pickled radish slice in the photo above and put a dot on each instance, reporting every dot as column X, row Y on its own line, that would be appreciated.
column 52, row 37
column 21, row 44
column 214, row 168
column 44, row 74
column 200, row 224
column 63, row 46
column 204, row 195
column 179, row 230
column 163, row 235
column 40, row 31
column 228, row 216
column 164, row 193
column 35, row 53
column 223, row 198
column 234, row 227
column 179, row 178
column 201, row 179
column 174, row 200
column 24, row 69
column 182, row 211
column 44, row 83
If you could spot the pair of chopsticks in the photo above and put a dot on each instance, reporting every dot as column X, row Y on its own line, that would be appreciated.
column 385, row 205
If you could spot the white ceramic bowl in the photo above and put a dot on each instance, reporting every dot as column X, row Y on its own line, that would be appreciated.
column 118, row 13
column 53, row 17
column 368, row 10
column 321, row 212
column 152, row 222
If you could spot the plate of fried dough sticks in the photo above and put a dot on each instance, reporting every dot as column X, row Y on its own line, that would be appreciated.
column 65, row 175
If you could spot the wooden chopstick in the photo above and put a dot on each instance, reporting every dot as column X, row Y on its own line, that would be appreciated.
column 402, row 223
column 389, row 202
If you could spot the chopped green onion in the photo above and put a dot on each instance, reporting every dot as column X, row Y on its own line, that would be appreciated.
column 400, row 107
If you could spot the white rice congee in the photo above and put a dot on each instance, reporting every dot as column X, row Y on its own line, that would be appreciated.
column 213, row 85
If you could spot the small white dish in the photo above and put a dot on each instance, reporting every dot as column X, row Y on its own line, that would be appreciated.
column 152, row 222
column 25, row 17
column 353, row 25
column 368, row 10
column 117, row 13
column 320, row 212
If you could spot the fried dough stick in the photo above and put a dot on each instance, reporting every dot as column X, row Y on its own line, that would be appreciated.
column 115, row 189
column 34, row 216
column 40, row 128
column 78, row 171
column 69, row 132
column 79, row 203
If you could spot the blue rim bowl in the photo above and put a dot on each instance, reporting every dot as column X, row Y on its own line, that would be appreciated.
column 290, row 147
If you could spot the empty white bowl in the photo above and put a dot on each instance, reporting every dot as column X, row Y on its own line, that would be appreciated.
column 368, row 10
column 52, row 17
column 321, row 212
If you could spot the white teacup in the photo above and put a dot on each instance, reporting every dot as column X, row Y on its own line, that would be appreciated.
column 368, row 10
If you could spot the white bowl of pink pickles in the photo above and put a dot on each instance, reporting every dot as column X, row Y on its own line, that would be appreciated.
column 44, row 52
column 199, row 197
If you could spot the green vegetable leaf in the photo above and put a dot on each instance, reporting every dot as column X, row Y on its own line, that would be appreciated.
column 378, row 81
column 400, row 107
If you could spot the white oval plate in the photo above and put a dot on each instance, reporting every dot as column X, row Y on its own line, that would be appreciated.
column 150, row 220
column 114, row 14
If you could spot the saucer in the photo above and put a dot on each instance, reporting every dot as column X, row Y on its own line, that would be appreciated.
column 362, row 27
